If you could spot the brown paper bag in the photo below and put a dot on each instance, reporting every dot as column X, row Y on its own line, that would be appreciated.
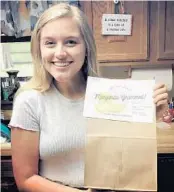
column 121, row 155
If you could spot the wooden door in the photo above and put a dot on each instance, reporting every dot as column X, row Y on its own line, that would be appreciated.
column 165, row 32
column 122, row 48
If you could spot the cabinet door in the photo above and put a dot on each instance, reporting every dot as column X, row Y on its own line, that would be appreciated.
column 122, row 48
column 165, row 33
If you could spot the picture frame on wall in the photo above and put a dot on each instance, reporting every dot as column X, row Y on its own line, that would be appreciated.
column 18, row 18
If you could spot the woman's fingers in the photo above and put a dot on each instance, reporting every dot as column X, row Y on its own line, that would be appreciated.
column 159, row 90
column 159, row 85
column 162, row 102
column 161, row 98
column 160, row 94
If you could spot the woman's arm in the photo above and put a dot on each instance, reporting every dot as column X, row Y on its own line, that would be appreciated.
column 25, row 159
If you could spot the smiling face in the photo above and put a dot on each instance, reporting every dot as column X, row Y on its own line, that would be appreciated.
column 62, row 49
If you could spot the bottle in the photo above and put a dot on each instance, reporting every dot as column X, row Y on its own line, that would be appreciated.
column 13, row 83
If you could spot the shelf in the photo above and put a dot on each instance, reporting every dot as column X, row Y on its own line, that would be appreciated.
column 6, row 105
column 5, row 149
column 4, row 102
column 8, row 39
column 6, row 114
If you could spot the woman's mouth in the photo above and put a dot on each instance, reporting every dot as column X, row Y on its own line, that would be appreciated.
column 61, row 64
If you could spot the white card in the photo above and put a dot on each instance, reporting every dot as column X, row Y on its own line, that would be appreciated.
column 122, row 100
column 116, row 24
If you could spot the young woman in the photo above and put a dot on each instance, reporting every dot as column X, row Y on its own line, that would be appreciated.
column 48, row 128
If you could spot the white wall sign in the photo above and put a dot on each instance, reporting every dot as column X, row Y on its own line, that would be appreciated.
column 116, row 24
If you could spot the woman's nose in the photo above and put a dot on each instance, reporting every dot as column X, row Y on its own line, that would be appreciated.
column 60, row 52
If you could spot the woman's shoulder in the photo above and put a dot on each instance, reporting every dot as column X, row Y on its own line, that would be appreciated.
column 26, row 96
column 31, row 96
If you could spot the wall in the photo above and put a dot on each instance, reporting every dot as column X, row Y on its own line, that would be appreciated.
column 19, row 55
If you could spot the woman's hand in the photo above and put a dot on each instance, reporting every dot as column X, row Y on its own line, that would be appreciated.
column 160, row 98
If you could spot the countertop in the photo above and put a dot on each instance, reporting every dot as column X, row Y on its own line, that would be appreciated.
column 165, row 141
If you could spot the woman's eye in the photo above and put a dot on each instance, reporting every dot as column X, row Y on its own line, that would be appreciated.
column 49, row 43
column 71, row 42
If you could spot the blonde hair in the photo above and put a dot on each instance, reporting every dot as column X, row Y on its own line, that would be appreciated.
column 41, row 79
